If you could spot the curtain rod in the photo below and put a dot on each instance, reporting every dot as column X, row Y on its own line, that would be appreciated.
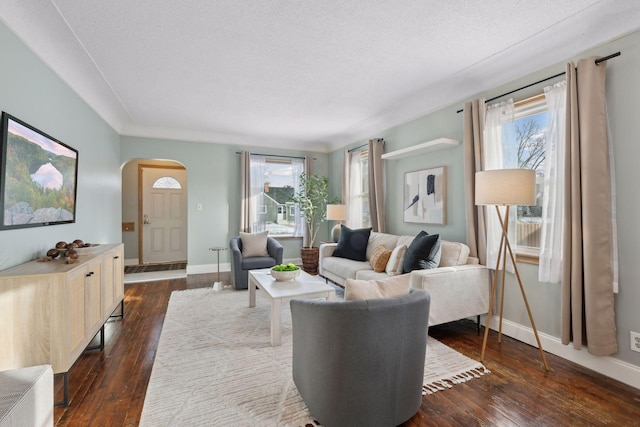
column 597, row 61
column 277, row 155
column 355, row 148
column 361, row 146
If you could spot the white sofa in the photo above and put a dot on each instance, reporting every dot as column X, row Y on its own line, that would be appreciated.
column 459, row 287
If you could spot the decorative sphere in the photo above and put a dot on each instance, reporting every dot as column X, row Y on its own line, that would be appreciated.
column 53, row 253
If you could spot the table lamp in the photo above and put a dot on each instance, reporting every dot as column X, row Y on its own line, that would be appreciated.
column 506, row 187
column 336, row 213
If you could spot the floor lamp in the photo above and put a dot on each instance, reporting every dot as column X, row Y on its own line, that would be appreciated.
column 336, row 213
column 506, row 187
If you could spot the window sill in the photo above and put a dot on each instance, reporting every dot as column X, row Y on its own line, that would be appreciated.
column 527, row 258
column 285, row 237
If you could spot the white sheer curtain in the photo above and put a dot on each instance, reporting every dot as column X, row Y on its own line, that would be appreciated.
column 256, row 193
column 495, row 156
column 550, row 266
column 356, row 200
column 299, row 166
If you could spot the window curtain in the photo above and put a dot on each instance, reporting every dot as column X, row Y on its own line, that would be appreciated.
column 306, row 237
column 495, row 156
column 550, row 259
column 245, row 189
column 356, row 200
column 345, row 181
column 588, row 269
column 376, row 184
column 474, row 114
column 257, row 221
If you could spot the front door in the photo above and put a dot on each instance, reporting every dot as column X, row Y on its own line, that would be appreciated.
column 163, row 214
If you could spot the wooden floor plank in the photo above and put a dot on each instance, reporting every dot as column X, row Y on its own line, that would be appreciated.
column 108, row 387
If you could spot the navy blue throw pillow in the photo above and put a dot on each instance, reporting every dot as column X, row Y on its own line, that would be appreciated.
column 352, row 243
column 423, row 253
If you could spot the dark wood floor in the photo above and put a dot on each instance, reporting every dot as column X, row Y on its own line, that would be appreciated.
column 107, row 388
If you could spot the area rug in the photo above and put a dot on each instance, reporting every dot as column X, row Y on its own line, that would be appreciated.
column 146, row 268
column 215, row 366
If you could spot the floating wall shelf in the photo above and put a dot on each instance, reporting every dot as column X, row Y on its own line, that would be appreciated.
column 436, row 144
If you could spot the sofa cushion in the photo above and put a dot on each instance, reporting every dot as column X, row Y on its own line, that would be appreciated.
column 352, row 243
column 374, row 289
column 405, row 240
column 394, row 265
column 343, row 267
column 254, row 244
column 453, row 253
column 376, row 239
column 371, row 275
column 379, row 258
column 423, row 253
column 253, row 263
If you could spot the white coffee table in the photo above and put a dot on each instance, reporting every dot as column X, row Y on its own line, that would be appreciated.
column 305, row 286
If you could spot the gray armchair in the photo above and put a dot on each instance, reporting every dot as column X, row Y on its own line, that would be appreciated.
column 361, row 363
column 240, row 266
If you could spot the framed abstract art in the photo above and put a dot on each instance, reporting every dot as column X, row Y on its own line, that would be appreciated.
column 425, row 196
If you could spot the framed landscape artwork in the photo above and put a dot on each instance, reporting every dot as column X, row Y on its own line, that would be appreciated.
column 425, row 196
column 38, row 177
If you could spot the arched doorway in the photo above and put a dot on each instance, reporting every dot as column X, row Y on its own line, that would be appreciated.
column 154, row 211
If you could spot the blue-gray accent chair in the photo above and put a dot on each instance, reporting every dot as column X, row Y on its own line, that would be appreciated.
column 361, row 363
column 240, row 266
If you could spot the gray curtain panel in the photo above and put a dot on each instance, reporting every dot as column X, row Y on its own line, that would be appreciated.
column 587, row 293
column 473, row 129
column 376, row 184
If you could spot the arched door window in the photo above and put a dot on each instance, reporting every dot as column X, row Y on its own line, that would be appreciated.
column 167, row 182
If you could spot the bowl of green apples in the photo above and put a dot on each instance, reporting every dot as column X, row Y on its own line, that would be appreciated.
column 283, row 272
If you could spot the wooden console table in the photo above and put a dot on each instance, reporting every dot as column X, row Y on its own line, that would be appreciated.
column 50, row 311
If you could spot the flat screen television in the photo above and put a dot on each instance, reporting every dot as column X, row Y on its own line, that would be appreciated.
column 38, row 177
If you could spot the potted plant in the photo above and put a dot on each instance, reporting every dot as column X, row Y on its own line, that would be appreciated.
column 312, row 199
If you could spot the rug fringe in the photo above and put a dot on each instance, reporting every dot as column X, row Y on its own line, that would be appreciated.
column 449, row 382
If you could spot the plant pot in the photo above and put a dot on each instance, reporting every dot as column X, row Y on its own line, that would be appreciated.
column 310, row 258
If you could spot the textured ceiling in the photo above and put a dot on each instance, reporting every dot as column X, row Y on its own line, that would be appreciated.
column 313, row 75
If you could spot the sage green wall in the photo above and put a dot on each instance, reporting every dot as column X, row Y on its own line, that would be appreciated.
column 623, row 91
column 214, row 182
column 30, row 91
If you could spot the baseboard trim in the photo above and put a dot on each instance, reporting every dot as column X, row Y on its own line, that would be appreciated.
column 609, row 366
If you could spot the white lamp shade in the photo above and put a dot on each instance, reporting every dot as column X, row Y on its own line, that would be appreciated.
column 337, row 212
column 506, row 187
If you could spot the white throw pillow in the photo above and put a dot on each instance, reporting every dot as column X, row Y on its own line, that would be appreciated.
column 254, row 244
column 374, row 289
column 395, row 260
column 453, row 253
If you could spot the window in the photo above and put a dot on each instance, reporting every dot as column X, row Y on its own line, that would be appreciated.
column 273, row 181
column 167, row 182
column 524, row 141
column 359, row 189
